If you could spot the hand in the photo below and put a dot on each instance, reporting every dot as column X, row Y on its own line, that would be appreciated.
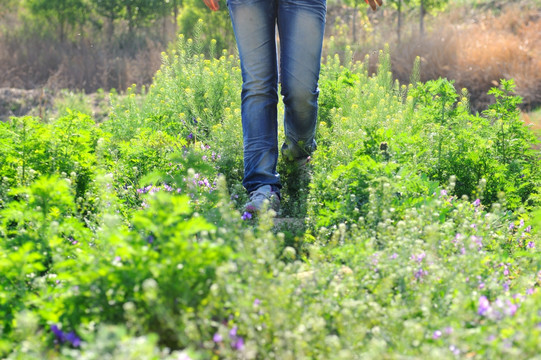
column 213, row 4
column 373, row 3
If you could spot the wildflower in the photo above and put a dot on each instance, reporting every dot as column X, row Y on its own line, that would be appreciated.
column 481, row 286
column 436, row 335
column 531, row 245
column 233, row 331
column 190, row 136
column 217, row 338
column 443, row 193
column 394, row 256
column 528, row 229
column 63, row 337
column 521, row 223
column 117, row 259
column 454, row 350
column 530, row 291
column 73, row 339
column 483, row 306
column 57, row 332
column 257, row 302
column 511, row 226
column 511, row 308
column 420, row 273
column 150, row 239
column 246, row 216
column 419, row 258
column 477, row 202
column 238, row 343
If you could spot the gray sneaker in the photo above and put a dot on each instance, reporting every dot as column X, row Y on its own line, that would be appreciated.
column 261, row 197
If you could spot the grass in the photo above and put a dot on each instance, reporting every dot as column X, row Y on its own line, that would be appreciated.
column 125, row 238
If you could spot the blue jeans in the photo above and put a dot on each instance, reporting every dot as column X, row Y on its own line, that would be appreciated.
column 301, row 24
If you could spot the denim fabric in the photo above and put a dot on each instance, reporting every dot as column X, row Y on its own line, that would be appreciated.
column 300, row 26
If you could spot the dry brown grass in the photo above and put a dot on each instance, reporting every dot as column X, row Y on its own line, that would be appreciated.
column 37, row 62
column 480, row 53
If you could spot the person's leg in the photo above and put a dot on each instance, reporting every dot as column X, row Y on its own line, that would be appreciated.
column 254, row 23
column 301, row 24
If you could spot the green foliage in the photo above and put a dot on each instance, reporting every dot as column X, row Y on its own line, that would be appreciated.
column 64, row 12
column 418, row 236
column 217, row 24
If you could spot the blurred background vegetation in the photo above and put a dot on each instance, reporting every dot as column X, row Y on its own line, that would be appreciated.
column 91, row 46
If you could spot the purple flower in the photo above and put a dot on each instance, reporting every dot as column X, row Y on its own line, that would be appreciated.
column 233, row 331
column 511, row 308
column 58, row 333
column 189, row 137
column 511, row 226
column 481, row 285
column 454, row 350
column 531, row 245
column 521, row 223
column 394, row 256
column 257, row 302
column 238, row 343
column 419, row 258
column 184, row 356
column 483, row 306
column 246, row 216
column 530, row 291
column 443, row 192
column 217, row 338
column 436, row 335
column 117, row 258
column 528, row 229
column 150, row 239
column 420, row 273
column 62, row 337
column 477, row 202
column 73, row 339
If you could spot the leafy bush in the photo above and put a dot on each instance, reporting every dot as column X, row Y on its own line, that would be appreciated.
column 418, row 229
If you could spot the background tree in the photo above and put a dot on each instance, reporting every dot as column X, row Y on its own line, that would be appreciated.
column 401, row 6
column 111, row 10
column 217, row 23
column 427, row 7
column 62, row 12
column 355, row 4
column 6, row 6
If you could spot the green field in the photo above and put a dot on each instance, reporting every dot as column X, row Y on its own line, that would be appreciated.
column 416, row 236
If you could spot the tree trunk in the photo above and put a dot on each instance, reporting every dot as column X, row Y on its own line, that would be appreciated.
column 399, row 20
column 130, row 20
column 110, row 27
column 62, row 30
column 354, row 25
column 422, row 18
